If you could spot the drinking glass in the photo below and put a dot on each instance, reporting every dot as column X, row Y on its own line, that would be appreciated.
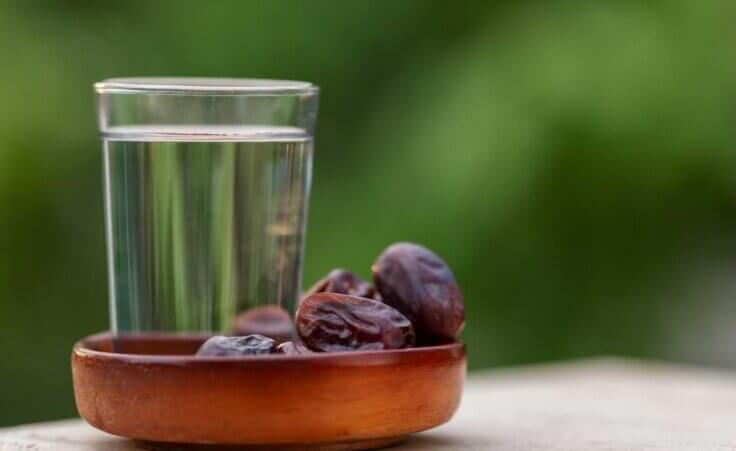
column 206, row 185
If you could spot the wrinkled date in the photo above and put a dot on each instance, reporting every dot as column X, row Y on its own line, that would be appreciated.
column 270, row 320
column 420, row 285
column 338, row 322
column 237, row 346
column 344, row 282
column 291, row 348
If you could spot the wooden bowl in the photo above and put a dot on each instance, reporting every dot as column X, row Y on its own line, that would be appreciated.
column 153, row 389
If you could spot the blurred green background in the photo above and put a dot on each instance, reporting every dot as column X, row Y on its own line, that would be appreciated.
column 573, row 161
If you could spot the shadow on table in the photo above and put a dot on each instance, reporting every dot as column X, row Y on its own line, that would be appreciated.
column 413, row 443
column 437, row 441
column 416, row 442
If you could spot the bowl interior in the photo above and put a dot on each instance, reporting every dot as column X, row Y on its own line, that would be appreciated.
column 184, row 346
column 145, row 344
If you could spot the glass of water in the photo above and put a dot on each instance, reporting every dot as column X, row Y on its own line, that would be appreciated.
column 206, row 187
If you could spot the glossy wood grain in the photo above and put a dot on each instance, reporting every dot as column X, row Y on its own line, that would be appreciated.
column 152, row 388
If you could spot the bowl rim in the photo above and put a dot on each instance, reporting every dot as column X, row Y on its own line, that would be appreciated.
column 83, row 349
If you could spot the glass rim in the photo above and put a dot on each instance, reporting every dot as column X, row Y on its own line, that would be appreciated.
column 204, row 86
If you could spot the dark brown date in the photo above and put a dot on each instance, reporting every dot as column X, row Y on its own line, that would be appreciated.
column 269, row 320
column 220, row 346
column 344, row 282
column 291, row 348
column 419, row 284
column 337, row 322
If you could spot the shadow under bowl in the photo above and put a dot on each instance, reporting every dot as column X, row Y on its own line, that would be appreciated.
column 152, row 388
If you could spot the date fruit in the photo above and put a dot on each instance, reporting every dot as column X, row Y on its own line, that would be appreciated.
column 291, row 348
column 343, row 281
column 221, row 346
column 419, row 284
column 270, row 320
column 338, row 322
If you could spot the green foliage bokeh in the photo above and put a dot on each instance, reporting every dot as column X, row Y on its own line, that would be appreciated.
column 573, row 161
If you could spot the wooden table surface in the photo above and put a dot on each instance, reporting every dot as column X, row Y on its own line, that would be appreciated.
column 602, row 404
